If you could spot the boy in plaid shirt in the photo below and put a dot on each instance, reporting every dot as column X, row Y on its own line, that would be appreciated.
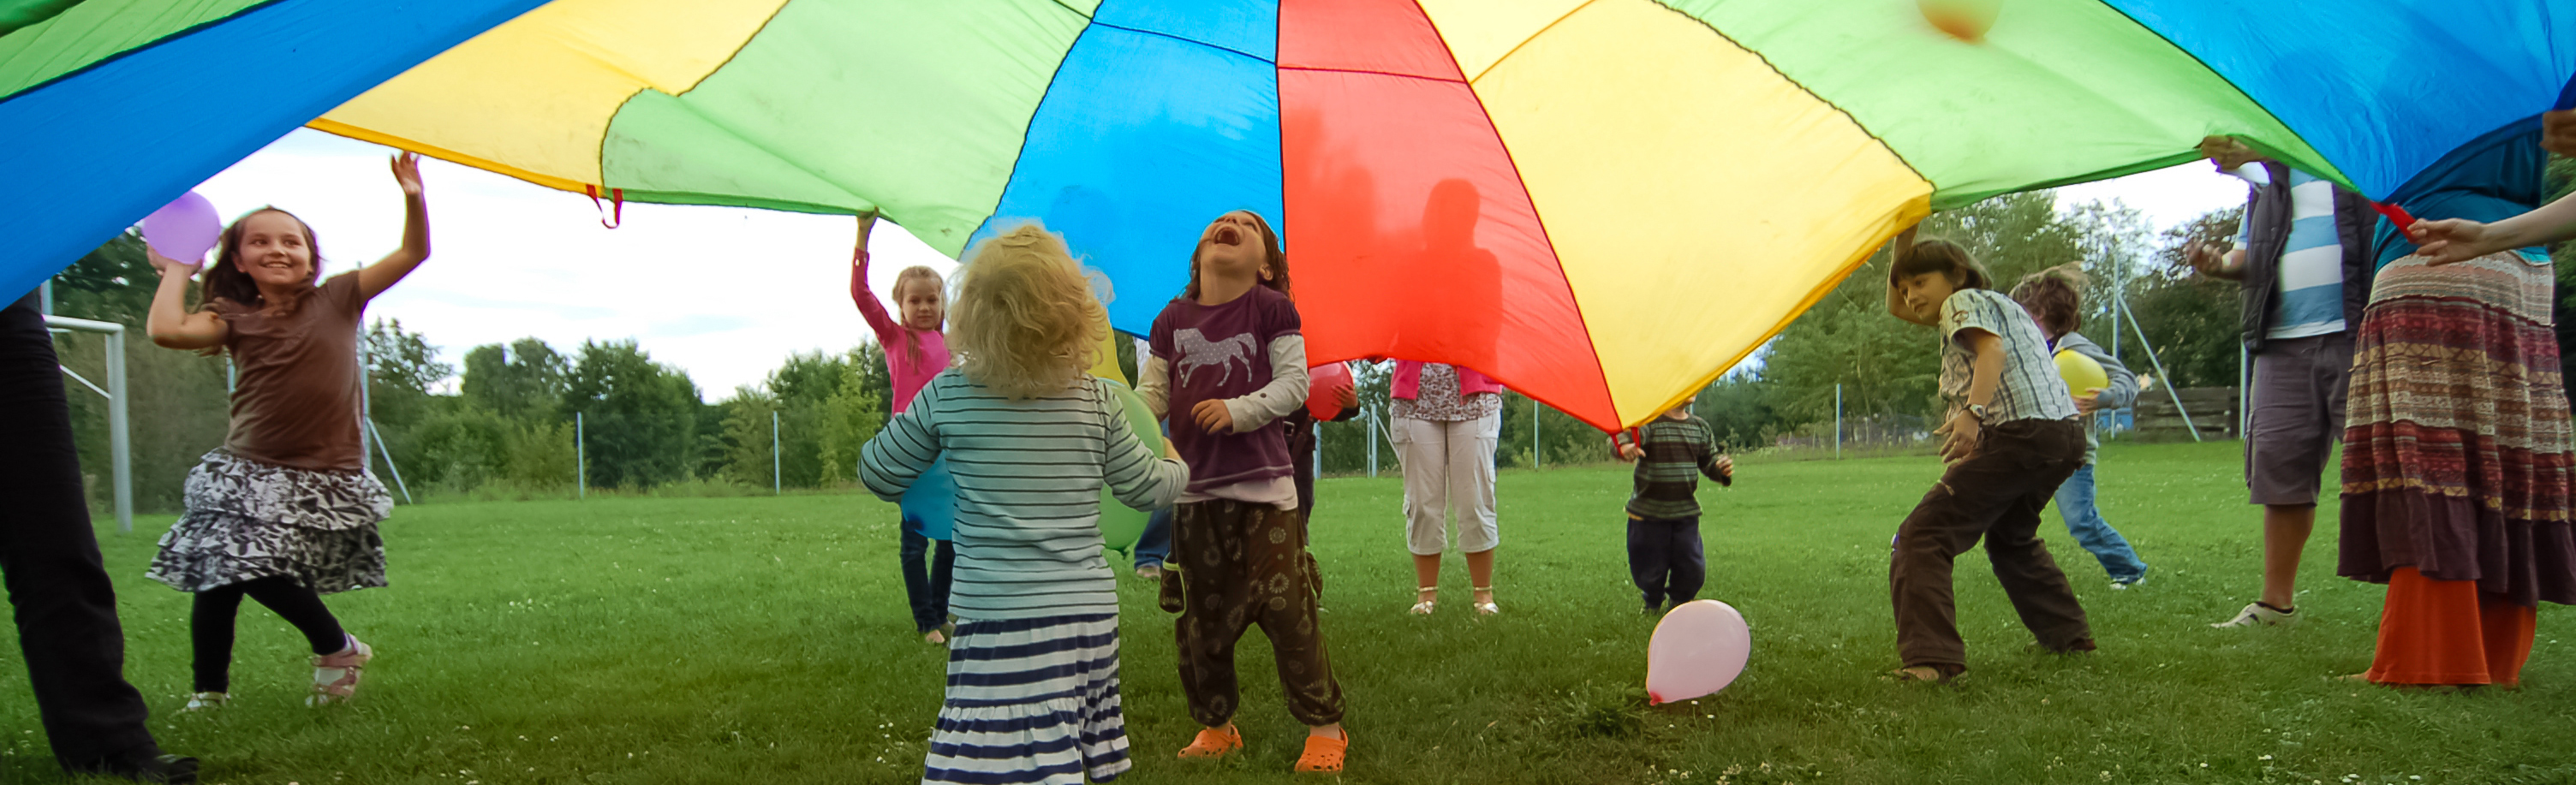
column 1664, row 552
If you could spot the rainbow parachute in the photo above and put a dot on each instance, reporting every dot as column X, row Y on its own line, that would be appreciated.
column 1601, row 202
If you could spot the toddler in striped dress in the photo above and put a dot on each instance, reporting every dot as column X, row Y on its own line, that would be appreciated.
column 1030, row 438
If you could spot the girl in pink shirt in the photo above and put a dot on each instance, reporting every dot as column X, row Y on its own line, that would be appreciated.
column 915, row 350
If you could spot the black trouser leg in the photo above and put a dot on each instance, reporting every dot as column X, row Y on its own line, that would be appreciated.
column 943, row 568
column 1689, row 561
column 210, row 635
column 64, row 604
column 1648, row 560
column 916, row 582
column 302, row 607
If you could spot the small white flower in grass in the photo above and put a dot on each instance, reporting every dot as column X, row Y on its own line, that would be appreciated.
column 2266, row 757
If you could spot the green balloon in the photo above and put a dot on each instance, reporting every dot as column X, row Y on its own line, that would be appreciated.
column 1121, row 525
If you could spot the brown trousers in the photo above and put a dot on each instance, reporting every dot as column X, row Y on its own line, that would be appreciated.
column 1244, row 564
column 1997, row 494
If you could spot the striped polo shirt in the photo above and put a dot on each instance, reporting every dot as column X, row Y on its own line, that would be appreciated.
column 1029, row 474
column 2308, row 297
column 1678, row 453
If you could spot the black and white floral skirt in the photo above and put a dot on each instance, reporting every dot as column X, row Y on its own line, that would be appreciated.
column 248, row 520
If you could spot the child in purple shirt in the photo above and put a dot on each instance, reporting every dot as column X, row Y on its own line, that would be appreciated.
column 1227, row 363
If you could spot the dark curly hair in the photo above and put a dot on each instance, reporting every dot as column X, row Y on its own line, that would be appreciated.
column 2054, row 297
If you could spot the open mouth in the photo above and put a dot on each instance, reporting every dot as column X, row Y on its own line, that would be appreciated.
column 1228, row 235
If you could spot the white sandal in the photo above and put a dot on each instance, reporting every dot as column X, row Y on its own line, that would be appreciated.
column 1487, row 607
column 1423, row 608
column 335, row 676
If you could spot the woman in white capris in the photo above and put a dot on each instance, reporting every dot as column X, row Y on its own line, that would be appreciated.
column 1446, row 421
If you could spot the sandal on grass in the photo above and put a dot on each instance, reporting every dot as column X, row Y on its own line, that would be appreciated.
column 1214, row 743
column 1933, row 674
column 335, row 676
column 1486, row 607
column 1429, row 599
column 1325, row 755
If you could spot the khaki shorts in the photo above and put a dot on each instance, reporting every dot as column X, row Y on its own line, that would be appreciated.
column 2297, row 416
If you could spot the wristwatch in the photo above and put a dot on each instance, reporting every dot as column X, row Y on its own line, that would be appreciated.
column 1978, row 410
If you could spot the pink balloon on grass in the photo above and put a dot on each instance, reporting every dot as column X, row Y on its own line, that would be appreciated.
column 1698, row 649
column 183, row 230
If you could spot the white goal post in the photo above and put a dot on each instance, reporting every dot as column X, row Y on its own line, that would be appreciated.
column 119, row 443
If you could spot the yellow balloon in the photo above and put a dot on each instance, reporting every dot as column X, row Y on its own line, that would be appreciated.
column 2080, row 372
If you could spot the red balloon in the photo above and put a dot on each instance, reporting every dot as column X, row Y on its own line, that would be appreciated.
column 1324, row 394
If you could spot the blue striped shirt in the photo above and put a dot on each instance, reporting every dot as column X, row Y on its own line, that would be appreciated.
column 2308, row 296
column 1029, row 474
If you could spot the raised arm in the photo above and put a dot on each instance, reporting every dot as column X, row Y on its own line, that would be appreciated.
column 168, row 322
column 374, row 279
column 888, row 331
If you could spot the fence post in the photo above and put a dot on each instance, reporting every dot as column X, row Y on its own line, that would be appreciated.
column 777, row 481
column 580, row 461
column 1538, row 449
column 1372, row 451
column 1838, row 419
column 120, row 444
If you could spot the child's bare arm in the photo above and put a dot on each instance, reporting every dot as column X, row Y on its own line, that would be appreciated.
column 168, row 322
column 374, row 279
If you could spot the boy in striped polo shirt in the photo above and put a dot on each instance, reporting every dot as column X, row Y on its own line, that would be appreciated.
column 1664, row 552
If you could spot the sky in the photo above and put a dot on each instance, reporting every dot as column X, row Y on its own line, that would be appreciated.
column 724, row 293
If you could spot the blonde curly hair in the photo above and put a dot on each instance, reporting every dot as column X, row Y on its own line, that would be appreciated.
column 1024, row 321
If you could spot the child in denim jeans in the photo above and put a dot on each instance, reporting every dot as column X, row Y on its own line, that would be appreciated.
column 2054, row 297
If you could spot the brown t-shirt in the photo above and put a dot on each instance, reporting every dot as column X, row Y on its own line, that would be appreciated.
column 295, row 395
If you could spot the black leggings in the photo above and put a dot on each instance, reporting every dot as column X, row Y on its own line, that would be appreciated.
column 210, row 624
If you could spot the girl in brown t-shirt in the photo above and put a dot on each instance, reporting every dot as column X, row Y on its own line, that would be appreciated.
column 285, row 511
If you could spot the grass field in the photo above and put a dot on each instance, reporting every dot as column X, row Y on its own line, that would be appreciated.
column 764, row 640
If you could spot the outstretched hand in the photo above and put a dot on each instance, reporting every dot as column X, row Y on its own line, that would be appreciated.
column 407, row 173
column 2450, row 240
column 859, row 252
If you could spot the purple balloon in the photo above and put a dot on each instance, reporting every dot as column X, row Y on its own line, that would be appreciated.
column 184, row 229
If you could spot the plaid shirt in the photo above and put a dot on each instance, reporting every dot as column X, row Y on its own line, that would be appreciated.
column 1677, row 453
column 2030, row 388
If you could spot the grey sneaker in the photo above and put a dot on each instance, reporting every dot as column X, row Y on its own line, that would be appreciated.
column 2129, row 582
column 2259, row 615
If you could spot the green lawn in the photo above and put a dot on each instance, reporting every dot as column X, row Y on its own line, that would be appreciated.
column 765, row 640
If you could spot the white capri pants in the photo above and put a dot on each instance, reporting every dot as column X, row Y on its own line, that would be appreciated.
column 1448, row 468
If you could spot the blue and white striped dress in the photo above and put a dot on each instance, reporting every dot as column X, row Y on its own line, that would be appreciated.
column 1033, row 671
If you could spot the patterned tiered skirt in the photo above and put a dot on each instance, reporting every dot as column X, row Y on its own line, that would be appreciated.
column 1031, row 701
column 247, row 520
column 2457, row 452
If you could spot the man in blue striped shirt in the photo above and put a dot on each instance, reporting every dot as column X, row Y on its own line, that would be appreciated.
column 2304, row 257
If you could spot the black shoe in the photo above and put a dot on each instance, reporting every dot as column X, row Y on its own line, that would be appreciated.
column 145, row 765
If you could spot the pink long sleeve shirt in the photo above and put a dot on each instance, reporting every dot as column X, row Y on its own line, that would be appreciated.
column 907, row 372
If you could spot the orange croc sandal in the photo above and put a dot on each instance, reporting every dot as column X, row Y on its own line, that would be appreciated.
column 1214, row 743
column 1325, row 755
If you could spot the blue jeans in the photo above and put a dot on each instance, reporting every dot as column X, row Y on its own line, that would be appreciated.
column 2075, row 504
column 1155, row 544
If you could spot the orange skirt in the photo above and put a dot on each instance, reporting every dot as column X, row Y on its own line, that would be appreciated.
column 2447, row 632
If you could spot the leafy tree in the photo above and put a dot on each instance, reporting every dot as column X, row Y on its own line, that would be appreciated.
column 849, row 419
column 747, row 434
column 402, row 373
column 641, row 417
column 525, row 379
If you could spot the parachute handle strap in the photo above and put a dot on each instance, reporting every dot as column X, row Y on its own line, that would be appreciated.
column 613, row 214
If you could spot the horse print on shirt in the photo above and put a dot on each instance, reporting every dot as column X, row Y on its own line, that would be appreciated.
column 1199, row 352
